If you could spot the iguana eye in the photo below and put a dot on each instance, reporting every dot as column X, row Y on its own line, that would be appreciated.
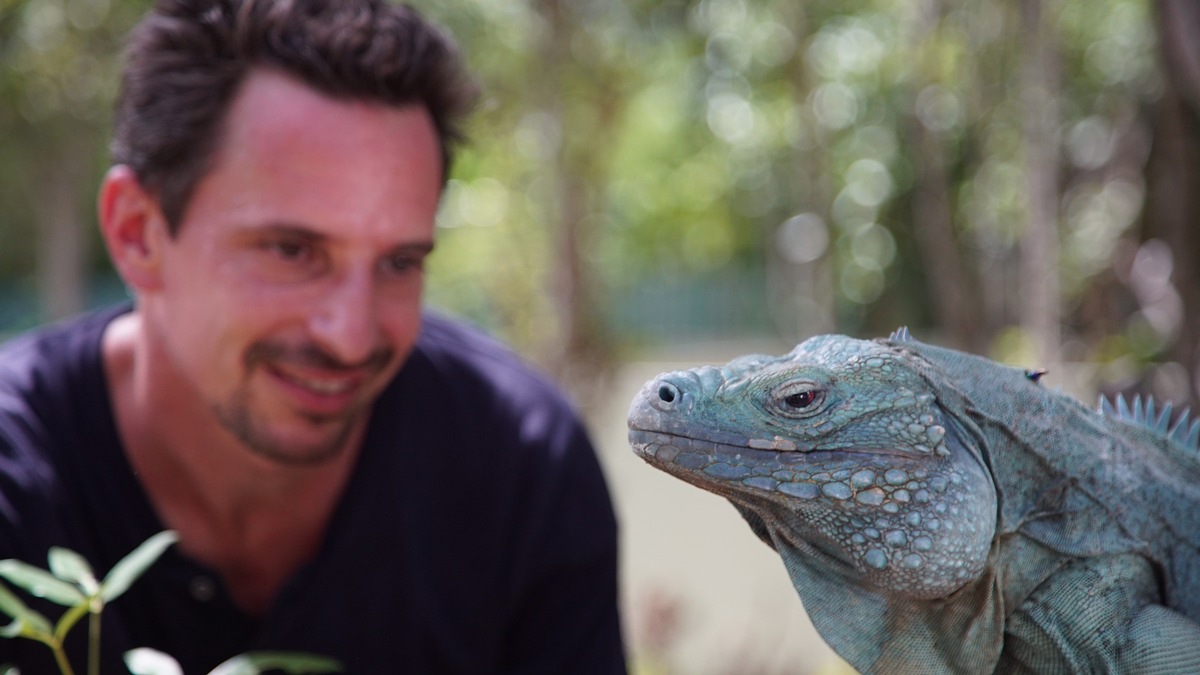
column 801, row 399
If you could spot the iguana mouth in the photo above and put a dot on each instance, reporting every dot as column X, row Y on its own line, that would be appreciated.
column 648, row 444
column 725, row 441
column 641, row 440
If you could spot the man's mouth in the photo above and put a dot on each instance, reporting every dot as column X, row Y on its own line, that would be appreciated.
column 315, row 382
column 328, row 387
column 319, row 394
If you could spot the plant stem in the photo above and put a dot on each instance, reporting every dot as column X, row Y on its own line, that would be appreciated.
column 64, row 666
column 94, row 644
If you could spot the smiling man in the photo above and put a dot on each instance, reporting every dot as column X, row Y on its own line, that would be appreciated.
column 348, row 476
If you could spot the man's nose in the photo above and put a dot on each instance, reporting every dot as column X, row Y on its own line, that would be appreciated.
column 346, row 324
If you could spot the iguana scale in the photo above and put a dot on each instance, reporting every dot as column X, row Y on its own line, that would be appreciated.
column 939, row 512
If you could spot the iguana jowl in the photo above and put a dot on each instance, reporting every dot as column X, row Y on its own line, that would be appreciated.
column 939, row 512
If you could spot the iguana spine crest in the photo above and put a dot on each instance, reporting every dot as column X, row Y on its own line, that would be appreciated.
column 1145, row 412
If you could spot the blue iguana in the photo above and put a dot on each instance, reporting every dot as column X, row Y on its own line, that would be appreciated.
column 938, row 512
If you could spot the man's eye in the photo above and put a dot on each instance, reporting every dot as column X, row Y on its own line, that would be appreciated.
column 290, row 250
column 403, row 263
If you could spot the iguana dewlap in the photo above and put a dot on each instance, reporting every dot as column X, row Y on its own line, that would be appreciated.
column 942, row 513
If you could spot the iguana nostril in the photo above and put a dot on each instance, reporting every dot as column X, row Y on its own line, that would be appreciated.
column 668, row 393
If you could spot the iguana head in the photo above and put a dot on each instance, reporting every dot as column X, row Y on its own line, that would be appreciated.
column 841, row 448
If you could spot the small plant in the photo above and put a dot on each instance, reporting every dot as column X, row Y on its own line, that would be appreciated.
column 70, row 582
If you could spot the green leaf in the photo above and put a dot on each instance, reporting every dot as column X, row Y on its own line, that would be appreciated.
column 26, row 622
column 128, row 569
column 146, row 661
column 12, row 605
column 14, row 629
column 254, row 663
column 72, row 567
column 20, row 628
column 9, row 669
column 41, row 583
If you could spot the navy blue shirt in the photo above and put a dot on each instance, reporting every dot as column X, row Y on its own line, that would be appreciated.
column 475, row 534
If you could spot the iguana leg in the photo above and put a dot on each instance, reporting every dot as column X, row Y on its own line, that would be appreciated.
column 1100, row 616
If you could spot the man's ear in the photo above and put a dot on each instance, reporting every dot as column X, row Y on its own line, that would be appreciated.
column 133, row 228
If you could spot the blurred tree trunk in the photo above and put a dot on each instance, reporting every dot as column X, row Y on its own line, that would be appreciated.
column 580, row 356
column 1173, row 171
column 62, row 241
column 1040, row 67
column 957, row 303
column 801, row 287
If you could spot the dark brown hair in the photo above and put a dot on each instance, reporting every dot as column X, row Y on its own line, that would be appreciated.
column 186, row 59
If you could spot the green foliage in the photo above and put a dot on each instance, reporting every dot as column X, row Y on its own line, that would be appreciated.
column 724, row 139
column 708, row 126
column 625, row 147
column 70, row 582
column 150, row 662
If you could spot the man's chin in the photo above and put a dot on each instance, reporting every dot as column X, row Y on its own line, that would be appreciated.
column 310, row 442
column 297, row 454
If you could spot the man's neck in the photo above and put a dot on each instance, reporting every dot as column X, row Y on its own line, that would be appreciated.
column 253, row 520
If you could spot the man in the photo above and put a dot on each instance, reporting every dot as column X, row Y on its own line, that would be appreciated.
column 347, row 477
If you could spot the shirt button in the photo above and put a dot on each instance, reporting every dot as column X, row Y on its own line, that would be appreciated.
column 202, row 588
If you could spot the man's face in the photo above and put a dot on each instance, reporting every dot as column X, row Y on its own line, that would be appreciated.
column 291, row 294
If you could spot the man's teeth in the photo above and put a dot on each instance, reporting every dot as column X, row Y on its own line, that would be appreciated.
column 325, row 386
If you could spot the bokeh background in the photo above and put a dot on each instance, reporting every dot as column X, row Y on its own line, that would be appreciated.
column 653, row 184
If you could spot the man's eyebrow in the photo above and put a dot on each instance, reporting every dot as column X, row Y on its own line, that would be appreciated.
column 414, row 248
column 288, row 230
column 295, row 230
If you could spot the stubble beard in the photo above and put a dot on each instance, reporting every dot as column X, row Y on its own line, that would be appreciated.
column 237, row 417
column 237, row 414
